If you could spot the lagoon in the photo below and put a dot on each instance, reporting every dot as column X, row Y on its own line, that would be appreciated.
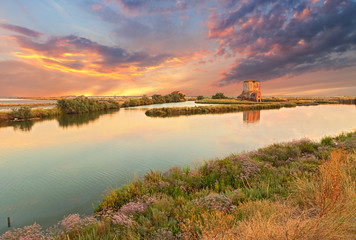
column 54, row 167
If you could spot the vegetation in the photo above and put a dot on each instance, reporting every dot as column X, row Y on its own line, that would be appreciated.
column 68, row 106
column 22, row 113
column 155, row 99
column 227, row 101
column 85, row 105
column 177, row 111
column 27, row 104
column 26, row 113
column 296, row 190
column 298, row 101
column 219, row 96
column 200, row 98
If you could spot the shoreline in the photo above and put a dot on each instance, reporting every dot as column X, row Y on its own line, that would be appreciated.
column 212, row 182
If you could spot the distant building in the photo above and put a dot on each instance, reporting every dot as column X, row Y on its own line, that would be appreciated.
column 251, row 91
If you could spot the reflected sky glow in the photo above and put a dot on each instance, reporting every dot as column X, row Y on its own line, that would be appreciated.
column 50, row 171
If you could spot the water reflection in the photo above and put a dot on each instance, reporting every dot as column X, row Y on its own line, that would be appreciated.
column 57, row 169
column 24, row 126
column 64, row 121
column 251, row 116
column 78, row 120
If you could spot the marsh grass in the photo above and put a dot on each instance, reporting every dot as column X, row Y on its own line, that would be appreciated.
column 326, row 210
column 178, row 111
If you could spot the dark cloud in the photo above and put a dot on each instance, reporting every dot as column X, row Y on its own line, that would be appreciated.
column 276, row 38
column 21, row 30
column 104, row 56
column 158, row 33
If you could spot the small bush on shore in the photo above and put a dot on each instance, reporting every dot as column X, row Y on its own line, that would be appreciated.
column 219, row 96
column 22, row 113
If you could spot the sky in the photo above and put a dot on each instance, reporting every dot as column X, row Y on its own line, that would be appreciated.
column 200, row 47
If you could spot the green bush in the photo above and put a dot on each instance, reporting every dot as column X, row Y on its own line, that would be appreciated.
column 85, row 105
column 22, row 113
column 219, row 96
column 155, row 99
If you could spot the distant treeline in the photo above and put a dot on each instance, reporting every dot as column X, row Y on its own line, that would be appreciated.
column 86, row 105
column 177, row 111
column 155, row 99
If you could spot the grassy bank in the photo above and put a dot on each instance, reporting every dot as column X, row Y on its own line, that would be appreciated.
column 26, row 113
column 228, row 101
column 177, row 111
column 155, row 99
column 298, row 101
column 295, row 190
column 26, row 104
column 64, row 106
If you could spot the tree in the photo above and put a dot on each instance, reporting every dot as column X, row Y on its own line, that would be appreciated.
column 200, row 97
column 219, row 96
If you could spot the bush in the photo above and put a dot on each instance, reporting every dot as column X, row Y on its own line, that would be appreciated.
column 85, row 105
column 219, row 96
column 327, row 141
column 21, row 113
column 200, row 97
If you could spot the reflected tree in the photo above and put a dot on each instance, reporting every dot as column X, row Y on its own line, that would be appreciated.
column 71, row 120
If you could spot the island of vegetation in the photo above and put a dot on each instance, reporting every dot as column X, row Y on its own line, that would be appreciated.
column 297, row 190
column 228, row 105
column 175, row 96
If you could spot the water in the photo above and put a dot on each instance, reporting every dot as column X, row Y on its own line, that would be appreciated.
column 25, row 101
column 54, row 167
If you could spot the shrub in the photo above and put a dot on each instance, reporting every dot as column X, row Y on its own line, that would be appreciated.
column 22, row 113
column 219, row 96
column 327, row 141
column 85, row 105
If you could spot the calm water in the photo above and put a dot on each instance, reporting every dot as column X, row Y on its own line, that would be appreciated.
column 24, row 101
column 51, row 168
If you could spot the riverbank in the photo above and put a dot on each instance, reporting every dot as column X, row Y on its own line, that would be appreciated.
column 224, row 108
column 25, row 113
column 27, row 104
column 301, row 188
column 236, row 105
column 297, row 100
column 64, row 106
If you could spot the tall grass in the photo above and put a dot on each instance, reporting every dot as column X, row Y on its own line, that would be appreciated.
column 326, row 210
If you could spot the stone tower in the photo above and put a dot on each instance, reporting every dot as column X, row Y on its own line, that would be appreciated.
column 251, row 91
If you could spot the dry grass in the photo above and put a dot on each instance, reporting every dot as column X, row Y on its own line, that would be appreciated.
column 206, row 224
column 322, row 207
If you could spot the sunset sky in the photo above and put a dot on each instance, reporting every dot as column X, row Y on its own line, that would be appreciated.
column 200, row 47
